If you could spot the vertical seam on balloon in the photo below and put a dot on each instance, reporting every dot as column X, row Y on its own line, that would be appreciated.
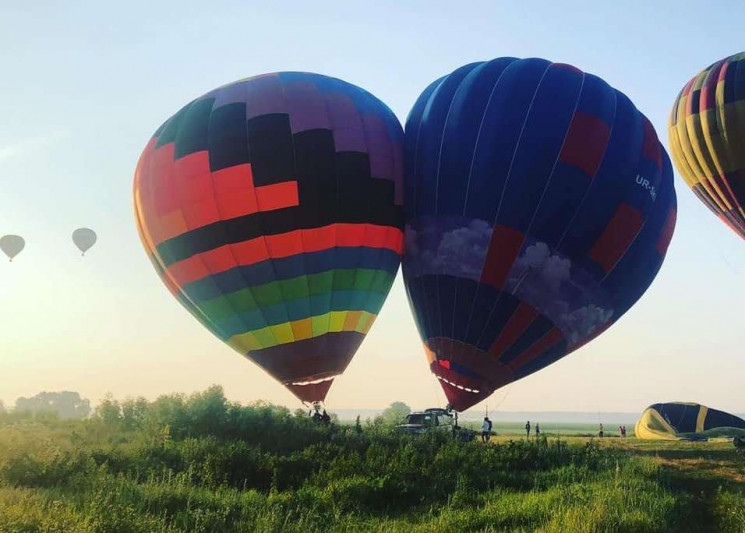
column 641, row 228
column 191, row 308
column 381, row 252
column 625, row 252
column 578, row 210
column 215, row 327
column 261, row 223
column 725, row 190
column 478, row 138
column 706, row 176
column 302, row 231
column 428, row 329
column 468, row 188
column 248, row 286
column 686, row 151
column 230, row 246
column 739, row 207
column 526, row 233
column 369, row 158
column 504, row 188
column 437, row 210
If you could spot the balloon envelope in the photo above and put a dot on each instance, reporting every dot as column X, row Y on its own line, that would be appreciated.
column 539, row 208
column 707, row 138
column 12, row 245
column 680, row 420
column 272, row 209
column 84, row 239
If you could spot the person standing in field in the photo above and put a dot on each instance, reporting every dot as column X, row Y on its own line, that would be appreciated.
column 620, row 431
column 486, row 430
column 600, row 432
column 527, row 428
column 537, row 430
column 623, row 432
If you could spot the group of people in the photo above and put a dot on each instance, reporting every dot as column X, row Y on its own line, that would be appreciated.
column 621, row 431
column 486, row 429
column 324, row 418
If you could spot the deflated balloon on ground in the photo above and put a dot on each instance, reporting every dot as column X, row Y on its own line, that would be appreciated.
column 692, row 421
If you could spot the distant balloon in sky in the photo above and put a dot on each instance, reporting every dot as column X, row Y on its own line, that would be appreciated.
column 707, row 138
column 272, row 209
column 539, row 208
column 84, row 239
column 12, row 245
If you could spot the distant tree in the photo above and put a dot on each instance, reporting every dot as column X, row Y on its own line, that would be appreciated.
column 134, row 411
column 65, row 404
column 394, row 413
column 170, row 410
column 207, row 411
column 109, row 411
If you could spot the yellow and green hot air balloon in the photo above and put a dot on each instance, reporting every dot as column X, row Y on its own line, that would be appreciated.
column 707, row 138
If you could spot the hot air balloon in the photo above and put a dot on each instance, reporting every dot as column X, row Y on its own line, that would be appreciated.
column 84, row 239
column 272, row 208
column 707, row 138
column 689, row 421
column 539, row 207
column 12, row 245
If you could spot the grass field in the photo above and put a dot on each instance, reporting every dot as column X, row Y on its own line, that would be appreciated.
column 202, row 464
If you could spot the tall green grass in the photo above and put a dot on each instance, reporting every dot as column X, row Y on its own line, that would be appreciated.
column 220, row 467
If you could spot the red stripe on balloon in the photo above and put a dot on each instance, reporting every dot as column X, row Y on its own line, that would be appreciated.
column 187, row 187
column 504, row 246
column 521, row 318
column 287, row 244
column 617, row 237
column 667, row 232
column 651, row 147
column 548, row 341
column 585, row 143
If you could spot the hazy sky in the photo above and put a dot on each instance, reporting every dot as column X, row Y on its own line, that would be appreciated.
column 84, row 84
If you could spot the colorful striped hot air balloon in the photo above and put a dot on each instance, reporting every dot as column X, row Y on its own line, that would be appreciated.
column 539, row 208
column 707, row 138
column 272, row 209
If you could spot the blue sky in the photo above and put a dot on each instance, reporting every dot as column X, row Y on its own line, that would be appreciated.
column 84, row 85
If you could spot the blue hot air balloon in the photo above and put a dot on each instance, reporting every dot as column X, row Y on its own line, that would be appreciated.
column 539, row 208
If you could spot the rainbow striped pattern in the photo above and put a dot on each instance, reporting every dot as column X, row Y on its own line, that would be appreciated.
column 272, row 209
column 707, row 138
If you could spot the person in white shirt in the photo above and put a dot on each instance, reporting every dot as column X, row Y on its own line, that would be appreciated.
column 486, row 430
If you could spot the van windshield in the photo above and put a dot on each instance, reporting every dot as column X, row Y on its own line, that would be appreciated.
column 419, row 418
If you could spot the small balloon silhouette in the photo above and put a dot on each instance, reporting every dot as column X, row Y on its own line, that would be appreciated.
column 84, row 239
column 12, row 245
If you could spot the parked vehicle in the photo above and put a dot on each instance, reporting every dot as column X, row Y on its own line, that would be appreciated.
column 435, row 419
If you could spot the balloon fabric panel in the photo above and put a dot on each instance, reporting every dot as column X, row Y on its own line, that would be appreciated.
column 539, row 207
column 707, row 138
column 272, row 209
